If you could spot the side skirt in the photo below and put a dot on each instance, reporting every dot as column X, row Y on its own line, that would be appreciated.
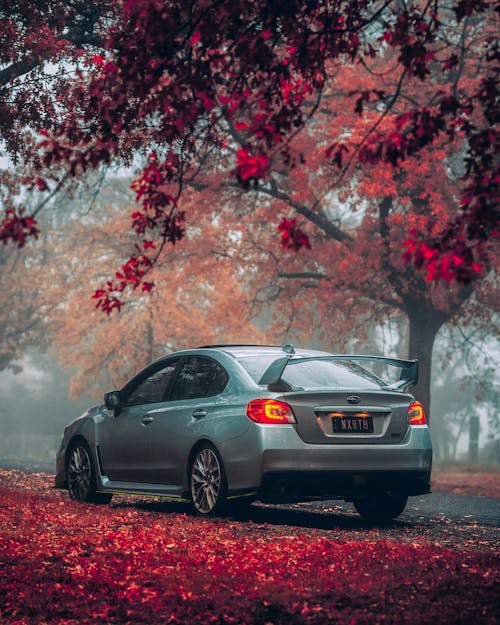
column 165, row 491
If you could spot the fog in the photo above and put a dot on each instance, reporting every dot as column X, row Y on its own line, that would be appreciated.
column 34, row 408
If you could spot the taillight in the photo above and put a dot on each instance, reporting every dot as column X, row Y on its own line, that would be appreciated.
column 270, row 411
column 416, row 414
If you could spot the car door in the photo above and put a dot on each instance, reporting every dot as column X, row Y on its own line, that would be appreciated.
column 126, row 436
column 192, row 400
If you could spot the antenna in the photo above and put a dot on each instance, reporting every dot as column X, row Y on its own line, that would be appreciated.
column 288, row 349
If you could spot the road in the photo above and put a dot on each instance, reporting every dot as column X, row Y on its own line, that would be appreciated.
column 458, row 508
column 454, row 521
column 444, row 518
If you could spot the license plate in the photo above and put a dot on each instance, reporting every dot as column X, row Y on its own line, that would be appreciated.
column 353, row 425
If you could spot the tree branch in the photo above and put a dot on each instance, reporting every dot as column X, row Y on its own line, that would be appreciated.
column 310, row 275
column 26, row 65
column 317, row 218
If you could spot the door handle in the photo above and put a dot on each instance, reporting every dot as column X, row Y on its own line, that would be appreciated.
column 199, row 413
column 147, row 419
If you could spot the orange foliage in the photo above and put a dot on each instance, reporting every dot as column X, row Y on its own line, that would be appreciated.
column 199, row 299
column 30, row 291
column 358, row 222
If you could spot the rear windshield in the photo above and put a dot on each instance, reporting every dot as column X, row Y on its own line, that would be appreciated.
column 316, row 374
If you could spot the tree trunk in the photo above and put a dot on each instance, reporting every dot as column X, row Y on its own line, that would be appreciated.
column 425, row 322
column 150, row 339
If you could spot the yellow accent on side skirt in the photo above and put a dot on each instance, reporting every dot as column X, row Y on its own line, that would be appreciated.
column 153, row 495
column 241, row 496
column 167, row 497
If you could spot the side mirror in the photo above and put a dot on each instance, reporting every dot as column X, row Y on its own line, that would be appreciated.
column 112, row 400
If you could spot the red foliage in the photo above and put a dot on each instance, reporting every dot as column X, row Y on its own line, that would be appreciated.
column 159, row 214
column 18, row 227
column 132, row 275
column 251, row 167
column 449, row 265
column 67, row 563
column 292, row 236
column 188, row 80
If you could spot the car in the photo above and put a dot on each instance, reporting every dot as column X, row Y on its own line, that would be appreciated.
column 223, row 425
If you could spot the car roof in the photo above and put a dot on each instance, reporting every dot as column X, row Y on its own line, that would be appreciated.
column 241, row 350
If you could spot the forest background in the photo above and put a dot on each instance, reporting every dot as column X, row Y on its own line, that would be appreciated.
column 272, row 221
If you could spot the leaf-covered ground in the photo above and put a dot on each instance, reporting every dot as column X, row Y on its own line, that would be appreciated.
column 64, row 563
column 461, row 482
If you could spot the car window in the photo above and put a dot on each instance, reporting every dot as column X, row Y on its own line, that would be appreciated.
column 257, row 365
column 199, row 377
column 314, row 374
column 328, row 374
column 153, row 388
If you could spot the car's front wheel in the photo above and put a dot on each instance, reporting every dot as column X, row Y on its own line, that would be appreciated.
column 208, row 481
column 380, row 507
column 81, row 476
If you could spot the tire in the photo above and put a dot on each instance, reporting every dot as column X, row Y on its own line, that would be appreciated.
column 80, row 473
column 238, row 508
column 207, row 481
column 380, row 507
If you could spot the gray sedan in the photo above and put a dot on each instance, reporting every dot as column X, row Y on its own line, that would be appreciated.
column 221, row 425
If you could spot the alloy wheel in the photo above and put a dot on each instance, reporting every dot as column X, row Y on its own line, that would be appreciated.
column 79, row 474
column 207, row 481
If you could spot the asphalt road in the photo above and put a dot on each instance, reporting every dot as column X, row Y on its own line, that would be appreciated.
column 427, row 508
column 450, row 520
column 458, row 508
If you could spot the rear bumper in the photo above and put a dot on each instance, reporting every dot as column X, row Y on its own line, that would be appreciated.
column 303, row 485
column 349, row 470
column 288, row 469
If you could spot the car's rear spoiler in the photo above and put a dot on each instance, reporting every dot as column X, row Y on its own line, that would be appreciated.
column 408, row 377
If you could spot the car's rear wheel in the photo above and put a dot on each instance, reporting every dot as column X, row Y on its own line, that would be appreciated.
column 380, row 507
column 207, row 481
column 81, row 476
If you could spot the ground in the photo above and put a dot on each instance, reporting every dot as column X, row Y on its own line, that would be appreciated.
column 149, row 562
column 484, row 483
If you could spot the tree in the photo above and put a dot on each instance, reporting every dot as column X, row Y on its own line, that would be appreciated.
column 34, row 282
column 41, row 46
column 29, row 296
column 200, row 300
column 467, row 388
column 25, row 308
column 355, row 273
column 176, row 78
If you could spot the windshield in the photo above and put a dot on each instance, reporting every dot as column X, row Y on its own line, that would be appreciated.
column 316, row 374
